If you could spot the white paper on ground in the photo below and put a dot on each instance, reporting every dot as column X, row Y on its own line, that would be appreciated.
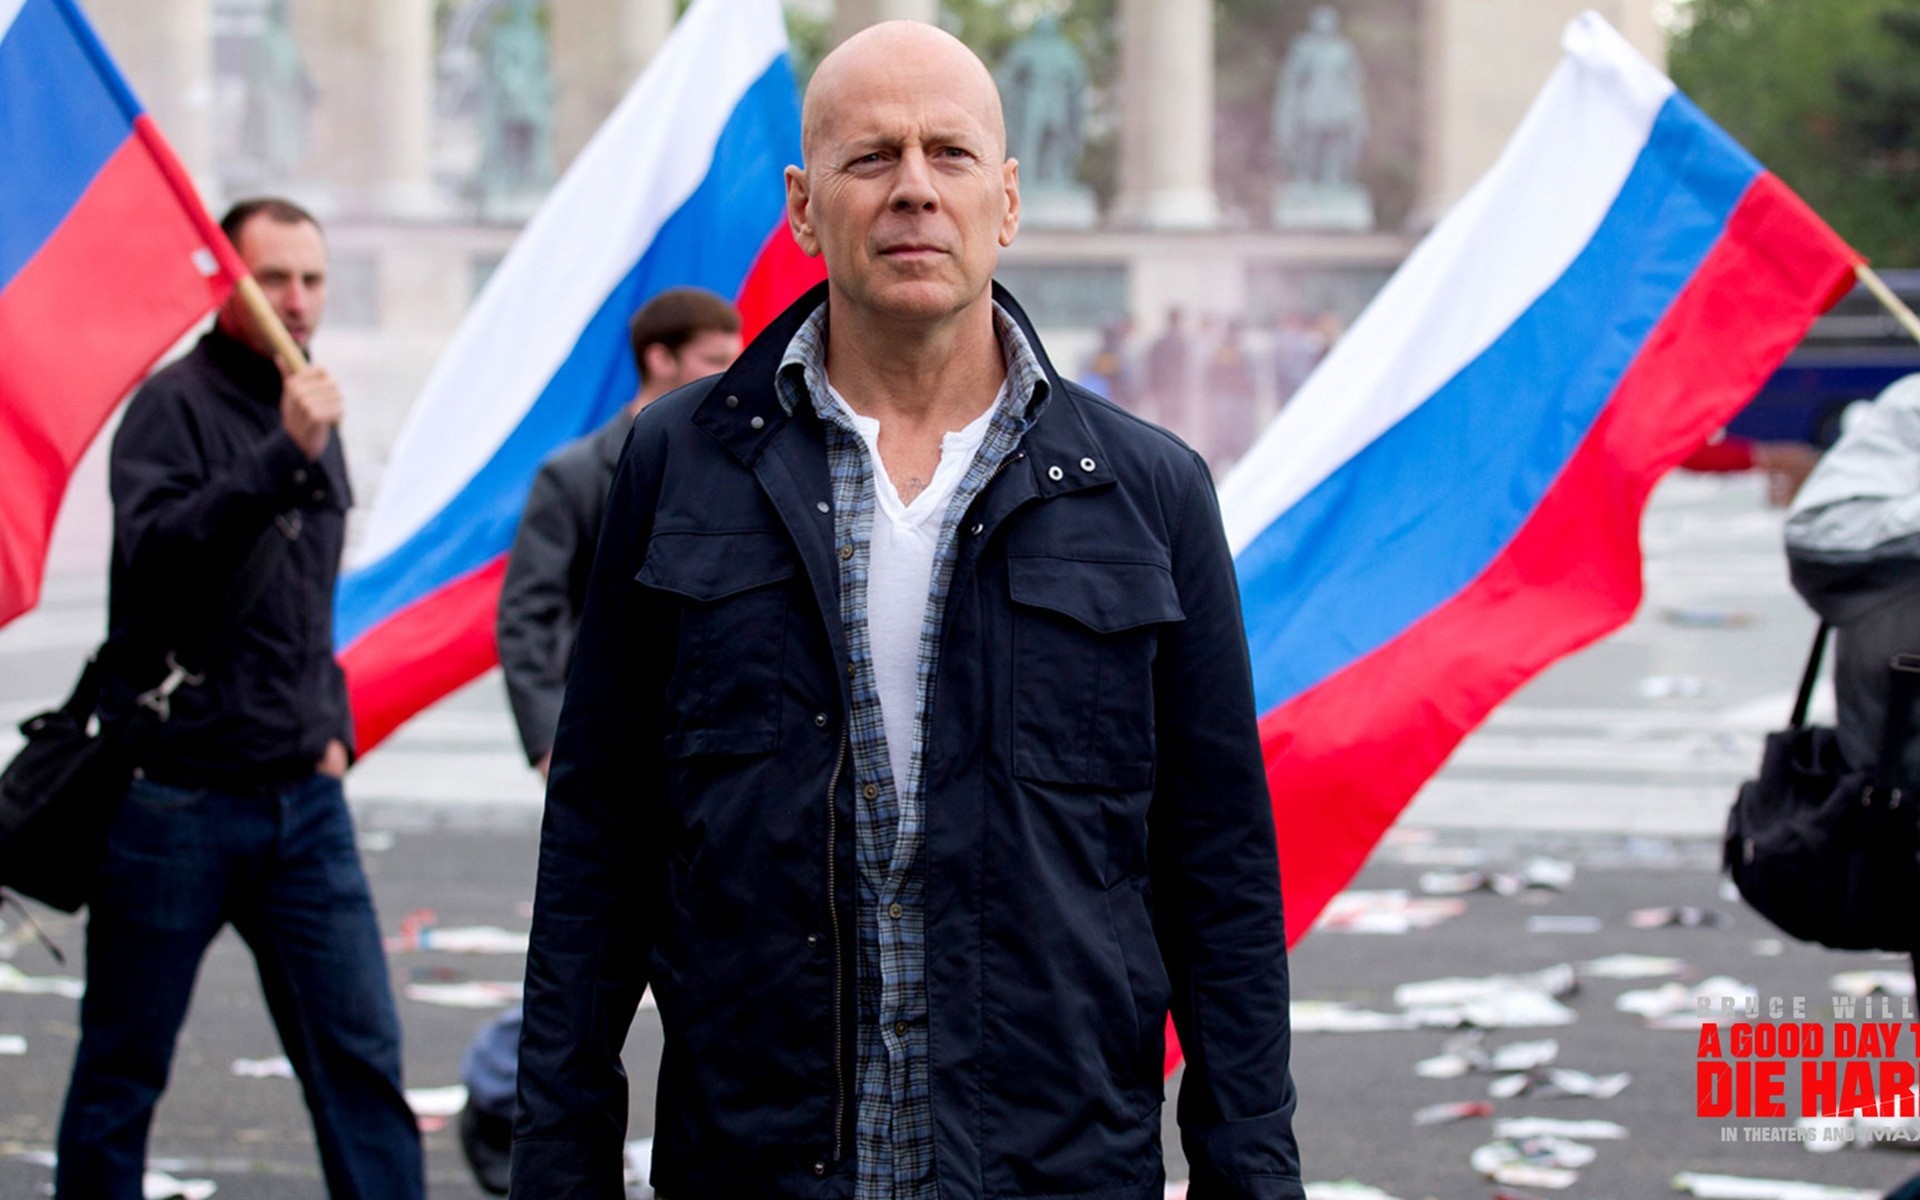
column 437, row 1101
column 1738, row 1187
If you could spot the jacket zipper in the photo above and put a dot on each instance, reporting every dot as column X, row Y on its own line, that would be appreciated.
column 833, row 919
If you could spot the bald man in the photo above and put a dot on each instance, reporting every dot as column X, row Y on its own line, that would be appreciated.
column 909, row 750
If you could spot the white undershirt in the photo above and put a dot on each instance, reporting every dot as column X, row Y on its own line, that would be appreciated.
column 900, row 574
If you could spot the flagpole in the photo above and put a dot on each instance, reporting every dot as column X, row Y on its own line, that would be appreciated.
column 268, row 323
column 1885, row 296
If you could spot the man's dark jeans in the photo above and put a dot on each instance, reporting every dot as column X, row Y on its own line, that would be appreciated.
column 283, row 868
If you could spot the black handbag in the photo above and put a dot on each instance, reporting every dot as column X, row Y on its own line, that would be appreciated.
column 59, row 795
column 1828, row 854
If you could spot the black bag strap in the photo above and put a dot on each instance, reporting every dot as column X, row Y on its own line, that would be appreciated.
column 1807, row 677
column 1903, row 686
column 243, row 591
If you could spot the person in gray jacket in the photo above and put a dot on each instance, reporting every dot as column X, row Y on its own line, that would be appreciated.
column 1853, row 545
column 681, row 335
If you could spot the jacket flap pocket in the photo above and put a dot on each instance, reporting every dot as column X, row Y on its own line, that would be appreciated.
column 1106, row 597
column 713, row 566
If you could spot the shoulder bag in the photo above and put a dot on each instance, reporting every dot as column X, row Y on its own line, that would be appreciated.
column 1828, row 854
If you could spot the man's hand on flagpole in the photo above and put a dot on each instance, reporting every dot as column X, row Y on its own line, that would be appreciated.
column 310, row 406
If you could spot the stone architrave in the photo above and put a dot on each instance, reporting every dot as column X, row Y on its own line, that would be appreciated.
column 1043, row 83
column 1319, row 129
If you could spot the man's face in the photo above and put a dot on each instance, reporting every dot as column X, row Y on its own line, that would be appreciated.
column 708, row 352
column 289, row 259
column 907, row 192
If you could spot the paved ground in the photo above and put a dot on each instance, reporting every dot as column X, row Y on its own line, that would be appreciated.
column 1620, row 760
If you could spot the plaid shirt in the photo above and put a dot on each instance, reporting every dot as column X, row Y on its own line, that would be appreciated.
column 893, row 1124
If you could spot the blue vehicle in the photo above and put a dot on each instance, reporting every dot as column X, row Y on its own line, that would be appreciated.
column 1850, row 354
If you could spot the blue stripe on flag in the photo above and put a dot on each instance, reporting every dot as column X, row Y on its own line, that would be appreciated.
column 710, row 242
column 1417, row 515
column 63, row 113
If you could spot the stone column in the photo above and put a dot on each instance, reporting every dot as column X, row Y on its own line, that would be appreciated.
column 1166, row 145
column 599, row 48
column 851, row 16
column 166, row 52
column 373, row 64
column 1482, row 62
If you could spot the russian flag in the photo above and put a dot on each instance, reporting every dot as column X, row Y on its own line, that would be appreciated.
column 1453, row 500
column 681, row 186
column 106, row 257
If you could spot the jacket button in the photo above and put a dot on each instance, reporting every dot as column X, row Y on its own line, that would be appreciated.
column 823, row 506
column 977, row 529
column 300, row 475
column 758, row 422
column 1087, row 464
column 819, row 720
column 733, row 402
column 870, row 792
column 895, row 911
column 1056, row 474
column 819, row 1168
column 813, row 939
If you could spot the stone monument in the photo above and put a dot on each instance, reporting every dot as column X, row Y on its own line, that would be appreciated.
column 1043, row 81
column 280, row 96
column 1319, row 128
column 516, row 116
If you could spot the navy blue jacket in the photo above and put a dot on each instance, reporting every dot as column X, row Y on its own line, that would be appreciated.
column 1099, row 845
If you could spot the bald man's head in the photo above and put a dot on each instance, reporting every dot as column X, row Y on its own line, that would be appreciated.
column 881, row 57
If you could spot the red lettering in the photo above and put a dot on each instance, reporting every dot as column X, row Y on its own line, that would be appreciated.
column 1713, row 1093
column 1709, row 1042
column 1819, row 1089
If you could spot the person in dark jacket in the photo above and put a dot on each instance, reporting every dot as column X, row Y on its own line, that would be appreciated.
column 227, row 468
column 909, row 751
column 681, row 335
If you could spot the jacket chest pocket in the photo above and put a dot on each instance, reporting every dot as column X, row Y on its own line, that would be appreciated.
column 1084, row 638
column 730, row 593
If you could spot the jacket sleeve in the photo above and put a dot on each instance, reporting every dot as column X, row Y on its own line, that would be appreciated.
column 535, row 622
column 1216, row 881
column 601, row 868
column 1853, row 533
column 176, row 519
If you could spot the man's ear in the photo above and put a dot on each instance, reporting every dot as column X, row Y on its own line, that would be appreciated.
column 662, row 363
column 799, row 220
column 1010, row 180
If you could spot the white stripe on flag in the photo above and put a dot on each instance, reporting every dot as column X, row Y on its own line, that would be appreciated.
column 9, row 9
column 635, row 173
column 1514, row 234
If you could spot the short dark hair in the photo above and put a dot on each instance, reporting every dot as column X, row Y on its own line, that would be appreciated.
column 286, row 212
column 675, row 317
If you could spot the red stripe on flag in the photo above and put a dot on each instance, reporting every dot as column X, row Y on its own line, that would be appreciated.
column 1344, row 759
column 106, row 295
column 781, row 274
column 439, row 643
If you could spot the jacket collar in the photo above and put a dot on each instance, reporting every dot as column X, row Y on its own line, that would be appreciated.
column 248, row 369
column 743, row 409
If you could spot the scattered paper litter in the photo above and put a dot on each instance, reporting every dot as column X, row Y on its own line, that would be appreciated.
column 1336, row 1016
column 263, row 1068
column 471, row 994
column 437, row 1101
column 158, row 1185
column 1552, row 874
column 1546, row 923
column 1861, row 984
column 1769, row 947
column 1388, row 911
column 1559, row 1082
column 1736, row 1187
column 1461, row 1110
column 1632, row 966
column 1548, row 1162
column 1557, row 980
column 1677, row 687
column 1677, row 1006
column 1683, row 916
column 1340, row 1189
column 1491, row 1002
column 12, row 1045
column 456, row 939
column 1468, row 1052
column 376, row 841
column 13, row 979
column 1584, row 1131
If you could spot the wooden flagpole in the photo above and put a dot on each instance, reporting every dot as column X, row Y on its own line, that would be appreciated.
column 1885, row 296
column 268, row 323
